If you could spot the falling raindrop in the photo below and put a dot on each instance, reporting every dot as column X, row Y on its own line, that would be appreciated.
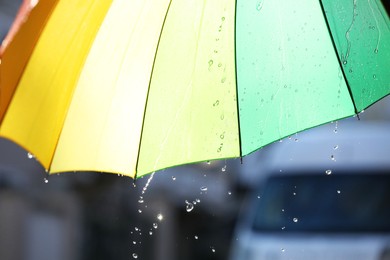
column 328, row 172
column 189, row 206
column 295, row 220
column 203, row 188
column 144, row 189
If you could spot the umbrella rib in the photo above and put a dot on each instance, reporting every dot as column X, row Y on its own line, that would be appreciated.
column 339, row 60
column 236, row 79
column 147, row 95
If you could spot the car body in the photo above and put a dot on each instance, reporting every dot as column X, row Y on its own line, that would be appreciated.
column 325, row 198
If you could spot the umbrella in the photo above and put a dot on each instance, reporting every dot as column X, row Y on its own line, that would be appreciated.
column 132, row 87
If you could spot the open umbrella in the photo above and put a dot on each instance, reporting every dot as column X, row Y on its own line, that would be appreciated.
column 134, row 86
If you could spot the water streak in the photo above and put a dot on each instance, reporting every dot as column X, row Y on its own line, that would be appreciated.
column 347, row 34
column 376, row 25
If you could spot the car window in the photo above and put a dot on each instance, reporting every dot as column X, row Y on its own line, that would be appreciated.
column 322, row 203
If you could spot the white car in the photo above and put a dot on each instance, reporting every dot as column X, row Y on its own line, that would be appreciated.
column 326, row 198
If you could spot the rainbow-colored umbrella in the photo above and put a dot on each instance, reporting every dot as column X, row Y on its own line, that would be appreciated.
column 135, row 86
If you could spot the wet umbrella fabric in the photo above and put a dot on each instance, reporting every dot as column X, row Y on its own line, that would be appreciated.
column 132, row 87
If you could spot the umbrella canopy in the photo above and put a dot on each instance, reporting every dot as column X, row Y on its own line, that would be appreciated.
column 136, row 86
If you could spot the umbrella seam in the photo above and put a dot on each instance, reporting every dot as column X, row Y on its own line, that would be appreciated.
column 338, row 58
column 147, row 94
column 236, row 79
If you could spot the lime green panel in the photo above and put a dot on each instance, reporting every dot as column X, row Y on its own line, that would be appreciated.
column 361, row 30
column 191, row 113
column 289, row 78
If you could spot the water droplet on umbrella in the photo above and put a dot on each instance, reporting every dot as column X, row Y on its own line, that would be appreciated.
column 46, row 180
column 174, row 178
column 135, row 255
column 332, row 158
column 376, row 50
column 197, row 200
column 160, row 217
column 213, row 249
column 196, row 237
column 134, row 242
column 282, row 249
column 141, row 200
column 211, row 63
column 30, row 156
column 328, row 172
column 229, row 193
column 338, row 191
column 150, row 232
column 204, row 188
column 140, row 211
column 223, row 169
column 283, row 228
column 155, row 225
column 374, row 76
column 335, row 147
column 295, row 220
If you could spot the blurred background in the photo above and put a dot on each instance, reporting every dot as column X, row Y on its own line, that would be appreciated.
column 188, row 212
